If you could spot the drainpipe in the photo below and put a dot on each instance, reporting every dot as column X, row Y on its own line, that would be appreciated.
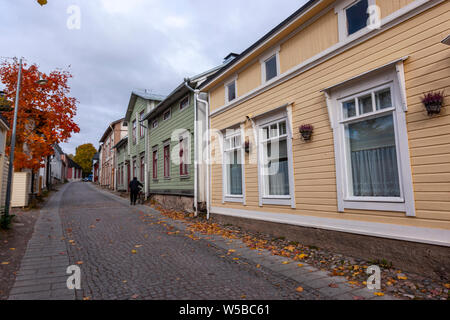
column 208, row 202
column 186, row 81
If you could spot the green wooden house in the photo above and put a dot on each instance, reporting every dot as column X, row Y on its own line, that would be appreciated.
column 141, row 103
column 122, row 165
column 177, row 179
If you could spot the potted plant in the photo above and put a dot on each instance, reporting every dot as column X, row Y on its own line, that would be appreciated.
column 306, row 131
column 433, row 102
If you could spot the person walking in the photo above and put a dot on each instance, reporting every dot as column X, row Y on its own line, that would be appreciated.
column 135, row 186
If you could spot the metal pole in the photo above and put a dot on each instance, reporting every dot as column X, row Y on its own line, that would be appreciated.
column 13, row 143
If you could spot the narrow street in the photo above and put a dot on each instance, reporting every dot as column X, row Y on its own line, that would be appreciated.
column 100, row 232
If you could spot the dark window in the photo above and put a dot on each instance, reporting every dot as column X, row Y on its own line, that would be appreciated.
column 357, row 16
column 167, row 161
column 166, row 115
column 184, row 103
column 231, row 91
column 271, row 68
column 141, row 126
column 155, row 164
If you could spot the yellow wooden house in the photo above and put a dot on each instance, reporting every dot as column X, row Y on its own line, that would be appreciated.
column 319, row 130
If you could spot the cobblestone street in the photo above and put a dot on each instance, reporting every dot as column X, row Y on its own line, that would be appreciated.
column 127, row 253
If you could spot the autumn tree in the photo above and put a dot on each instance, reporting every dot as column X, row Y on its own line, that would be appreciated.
column 45, row 115
column 83, row 157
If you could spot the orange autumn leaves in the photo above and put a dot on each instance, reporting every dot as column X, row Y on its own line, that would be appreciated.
column 45, row 115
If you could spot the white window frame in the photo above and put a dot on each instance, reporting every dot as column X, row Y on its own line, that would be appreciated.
column 229, row 134
column 227, row 84
column 340, row 10
column 288, row 200
column 274, row 52
column 372, row 81
column 168, row 111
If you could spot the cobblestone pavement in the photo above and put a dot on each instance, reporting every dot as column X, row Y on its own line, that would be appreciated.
column 127, row 253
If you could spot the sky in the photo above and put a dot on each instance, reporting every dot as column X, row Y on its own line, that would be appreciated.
column 114, row 46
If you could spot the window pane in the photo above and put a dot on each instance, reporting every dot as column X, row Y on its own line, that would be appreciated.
column 266, row 133
column 349, row 109
column 365, row 104
column 274, row 131
column 282, row 126
column 232, row 91
column 373, row 156
column 234, row 173
column 271, row 68
column 383, row 99
column 276, row 168
column 357, row 16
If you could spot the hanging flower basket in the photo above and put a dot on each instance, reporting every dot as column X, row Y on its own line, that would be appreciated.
column 433, row 102
column 306, row 131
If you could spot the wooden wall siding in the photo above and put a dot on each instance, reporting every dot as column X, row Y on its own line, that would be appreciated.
column 428, row 68
column 315, row 38
column 390, row 6
column 20, row 189
column 249, row 78
column 179, row 120
column 139, row 147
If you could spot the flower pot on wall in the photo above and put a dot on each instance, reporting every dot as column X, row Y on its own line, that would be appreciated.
column 306, row 131
column 433, row 102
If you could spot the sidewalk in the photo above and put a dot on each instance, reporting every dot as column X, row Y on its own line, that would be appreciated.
column 42, row 274
column 309, row 277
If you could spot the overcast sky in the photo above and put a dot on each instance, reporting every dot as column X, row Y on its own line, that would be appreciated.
column 127, row 44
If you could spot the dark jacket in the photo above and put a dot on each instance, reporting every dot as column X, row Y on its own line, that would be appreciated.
column 134, row 185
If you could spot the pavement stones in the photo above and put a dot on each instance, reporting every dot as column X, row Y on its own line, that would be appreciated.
column 42, row 274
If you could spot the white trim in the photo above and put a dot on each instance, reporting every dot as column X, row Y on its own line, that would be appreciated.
column 379, row 78
column 274, row 52
column 244, row 198
column 342, row 19
column 226, row 85
column 225, row 196
column 440, row 237
column 388, row 22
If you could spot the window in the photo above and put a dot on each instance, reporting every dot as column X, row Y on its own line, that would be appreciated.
column 357, row 16
column 167, row 161
column 184, row 153
column 134, row 132
column 271, row 68
column 155, row 124
column 134, row 168
column 371, row 145
column 270, row 65
column 275, row 160
column 167, row 114
column 230, row 91
column 233, row 166
column 184, row 103
column 155, row 163
column 142, row 167
column 373, row 169
column 141, row 126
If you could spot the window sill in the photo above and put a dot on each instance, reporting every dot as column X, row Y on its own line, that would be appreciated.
column 185, row 177
column 277, row 201
column 234, row 199
column 375, row 206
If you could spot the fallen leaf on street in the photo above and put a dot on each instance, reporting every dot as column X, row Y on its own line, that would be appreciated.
column 258, row 266
column 286, row 262
column 133, row 251
column 333, row 285
column 134, row 296
column 138, row 246
column 5, row 263
column 378, row 294
column 299, row 289
column 300, row 265
column 79, row 262
column 86, row 298
column 12, row 249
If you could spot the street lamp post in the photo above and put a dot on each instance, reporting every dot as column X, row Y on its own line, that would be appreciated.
column 13, row 139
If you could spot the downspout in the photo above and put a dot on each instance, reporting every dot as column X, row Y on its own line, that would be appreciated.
column 186, row 81
column 208, row 202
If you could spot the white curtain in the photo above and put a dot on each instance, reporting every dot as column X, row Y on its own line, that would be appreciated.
column 375, row 173
column 279, row 181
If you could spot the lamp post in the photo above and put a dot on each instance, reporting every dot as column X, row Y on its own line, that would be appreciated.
column 13, row 138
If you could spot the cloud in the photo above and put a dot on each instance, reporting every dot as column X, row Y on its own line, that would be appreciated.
column 126, row 44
